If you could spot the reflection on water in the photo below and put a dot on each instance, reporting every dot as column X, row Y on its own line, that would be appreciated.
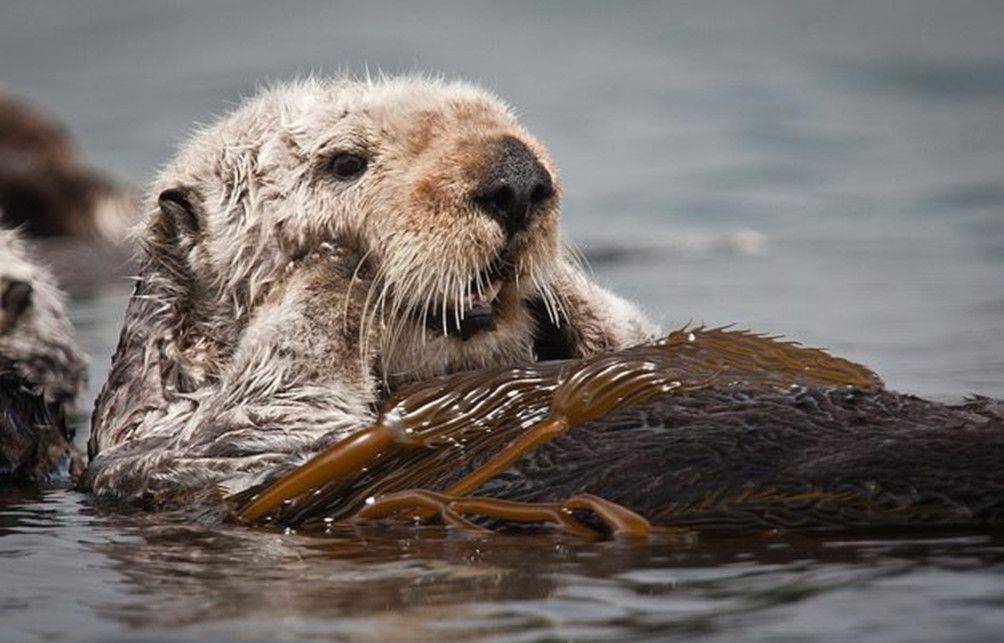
column 831, row 171
column 120, row 574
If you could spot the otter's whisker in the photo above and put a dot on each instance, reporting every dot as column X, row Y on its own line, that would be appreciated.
column 571, row 253
column 348, row 295
column 458, row 302
column 445, row 303
column 547, row 296
column 538, row 288
column 398, row 308
column 368, row 318
column 478, row 284
column 545, row 290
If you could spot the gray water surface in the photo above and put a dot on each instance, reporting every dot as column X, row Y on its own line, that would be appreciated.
column 73, row 573
column 830, row 171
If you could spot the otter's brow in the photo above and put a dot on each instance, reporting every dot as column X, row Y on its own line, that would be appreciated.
column 345, row 138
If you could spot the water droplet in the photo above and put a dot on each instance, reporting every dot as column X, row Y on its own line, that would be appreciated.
column 691, row 337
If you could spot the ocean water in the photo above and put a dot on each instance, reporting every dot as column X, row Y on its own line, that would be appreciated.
column 830, row 171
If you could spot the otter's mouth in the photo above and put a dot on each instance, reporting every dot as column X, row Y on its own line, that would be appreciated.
column 478, row 311
column 479, row 314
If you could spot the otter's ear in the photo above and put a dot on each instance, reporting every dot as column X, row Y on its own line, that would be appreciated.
column 15, row 298
column 180, row 215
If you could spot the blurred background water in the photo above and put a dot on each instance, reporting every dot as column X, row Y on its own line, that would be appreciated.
column 859, row 145
column 832, row 171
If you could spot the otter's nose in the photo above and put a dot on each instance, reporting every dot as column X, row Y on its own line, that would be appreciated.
column 514, row 185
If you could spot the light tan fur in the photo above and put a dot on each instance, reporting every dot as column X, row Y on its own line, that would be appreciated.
column 254, row 338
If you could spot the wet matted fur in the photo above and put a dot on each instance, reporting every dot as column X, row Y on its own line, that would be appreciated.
column 41, row 370
column 278, row 302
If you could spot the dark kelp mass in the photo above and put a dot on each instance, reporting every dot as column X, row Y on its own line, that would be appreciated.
column 710, row 429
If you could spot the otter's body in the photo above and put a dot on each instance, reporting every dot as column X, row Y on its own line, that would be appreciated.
column 799, row 460
column 747, row 460
column 751, row 434
column 331, row 244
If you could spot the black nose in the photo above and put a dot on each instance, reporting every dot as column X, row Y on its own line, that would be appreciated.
column 514, row 185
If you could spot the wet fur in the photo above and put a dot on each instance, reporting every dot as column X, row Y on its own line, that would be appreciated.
column 747, row 460
column 41, row 374
column 271, row 317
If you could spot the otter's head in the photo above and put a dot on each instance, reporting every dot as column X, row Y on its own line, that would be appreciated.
column 37, row 348
column 452, row 204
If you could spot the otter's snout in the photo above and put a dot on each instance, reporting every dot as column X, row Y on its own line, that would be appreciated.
column 514, row 185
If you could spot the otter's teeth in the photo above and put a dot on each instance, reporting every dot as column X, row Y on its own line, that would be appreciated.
column 493, row 291
column 485, row 299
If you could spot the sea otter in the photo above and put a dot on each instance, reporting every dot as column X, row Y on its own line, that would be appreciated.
column 41, row 371
column 322, row 269
column 45, row 190
column 324, row 244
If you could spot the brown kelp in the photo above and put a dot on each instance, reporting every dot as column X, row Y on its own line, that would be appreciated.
column 707, row 428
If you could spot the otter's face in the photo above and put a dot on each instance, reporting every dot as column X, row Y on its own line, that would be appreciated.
column 452, row 203
column 456, row 205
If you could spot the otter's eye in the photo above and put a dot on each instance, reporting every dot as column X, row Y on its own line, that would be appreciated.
column 348, row 166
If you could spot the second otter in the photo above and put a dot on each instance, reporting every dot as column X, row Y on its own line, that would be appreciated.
column 41, row 371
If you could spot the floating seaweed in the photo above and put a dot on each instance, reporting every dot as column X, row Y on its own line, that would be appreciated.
column 708, row 428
